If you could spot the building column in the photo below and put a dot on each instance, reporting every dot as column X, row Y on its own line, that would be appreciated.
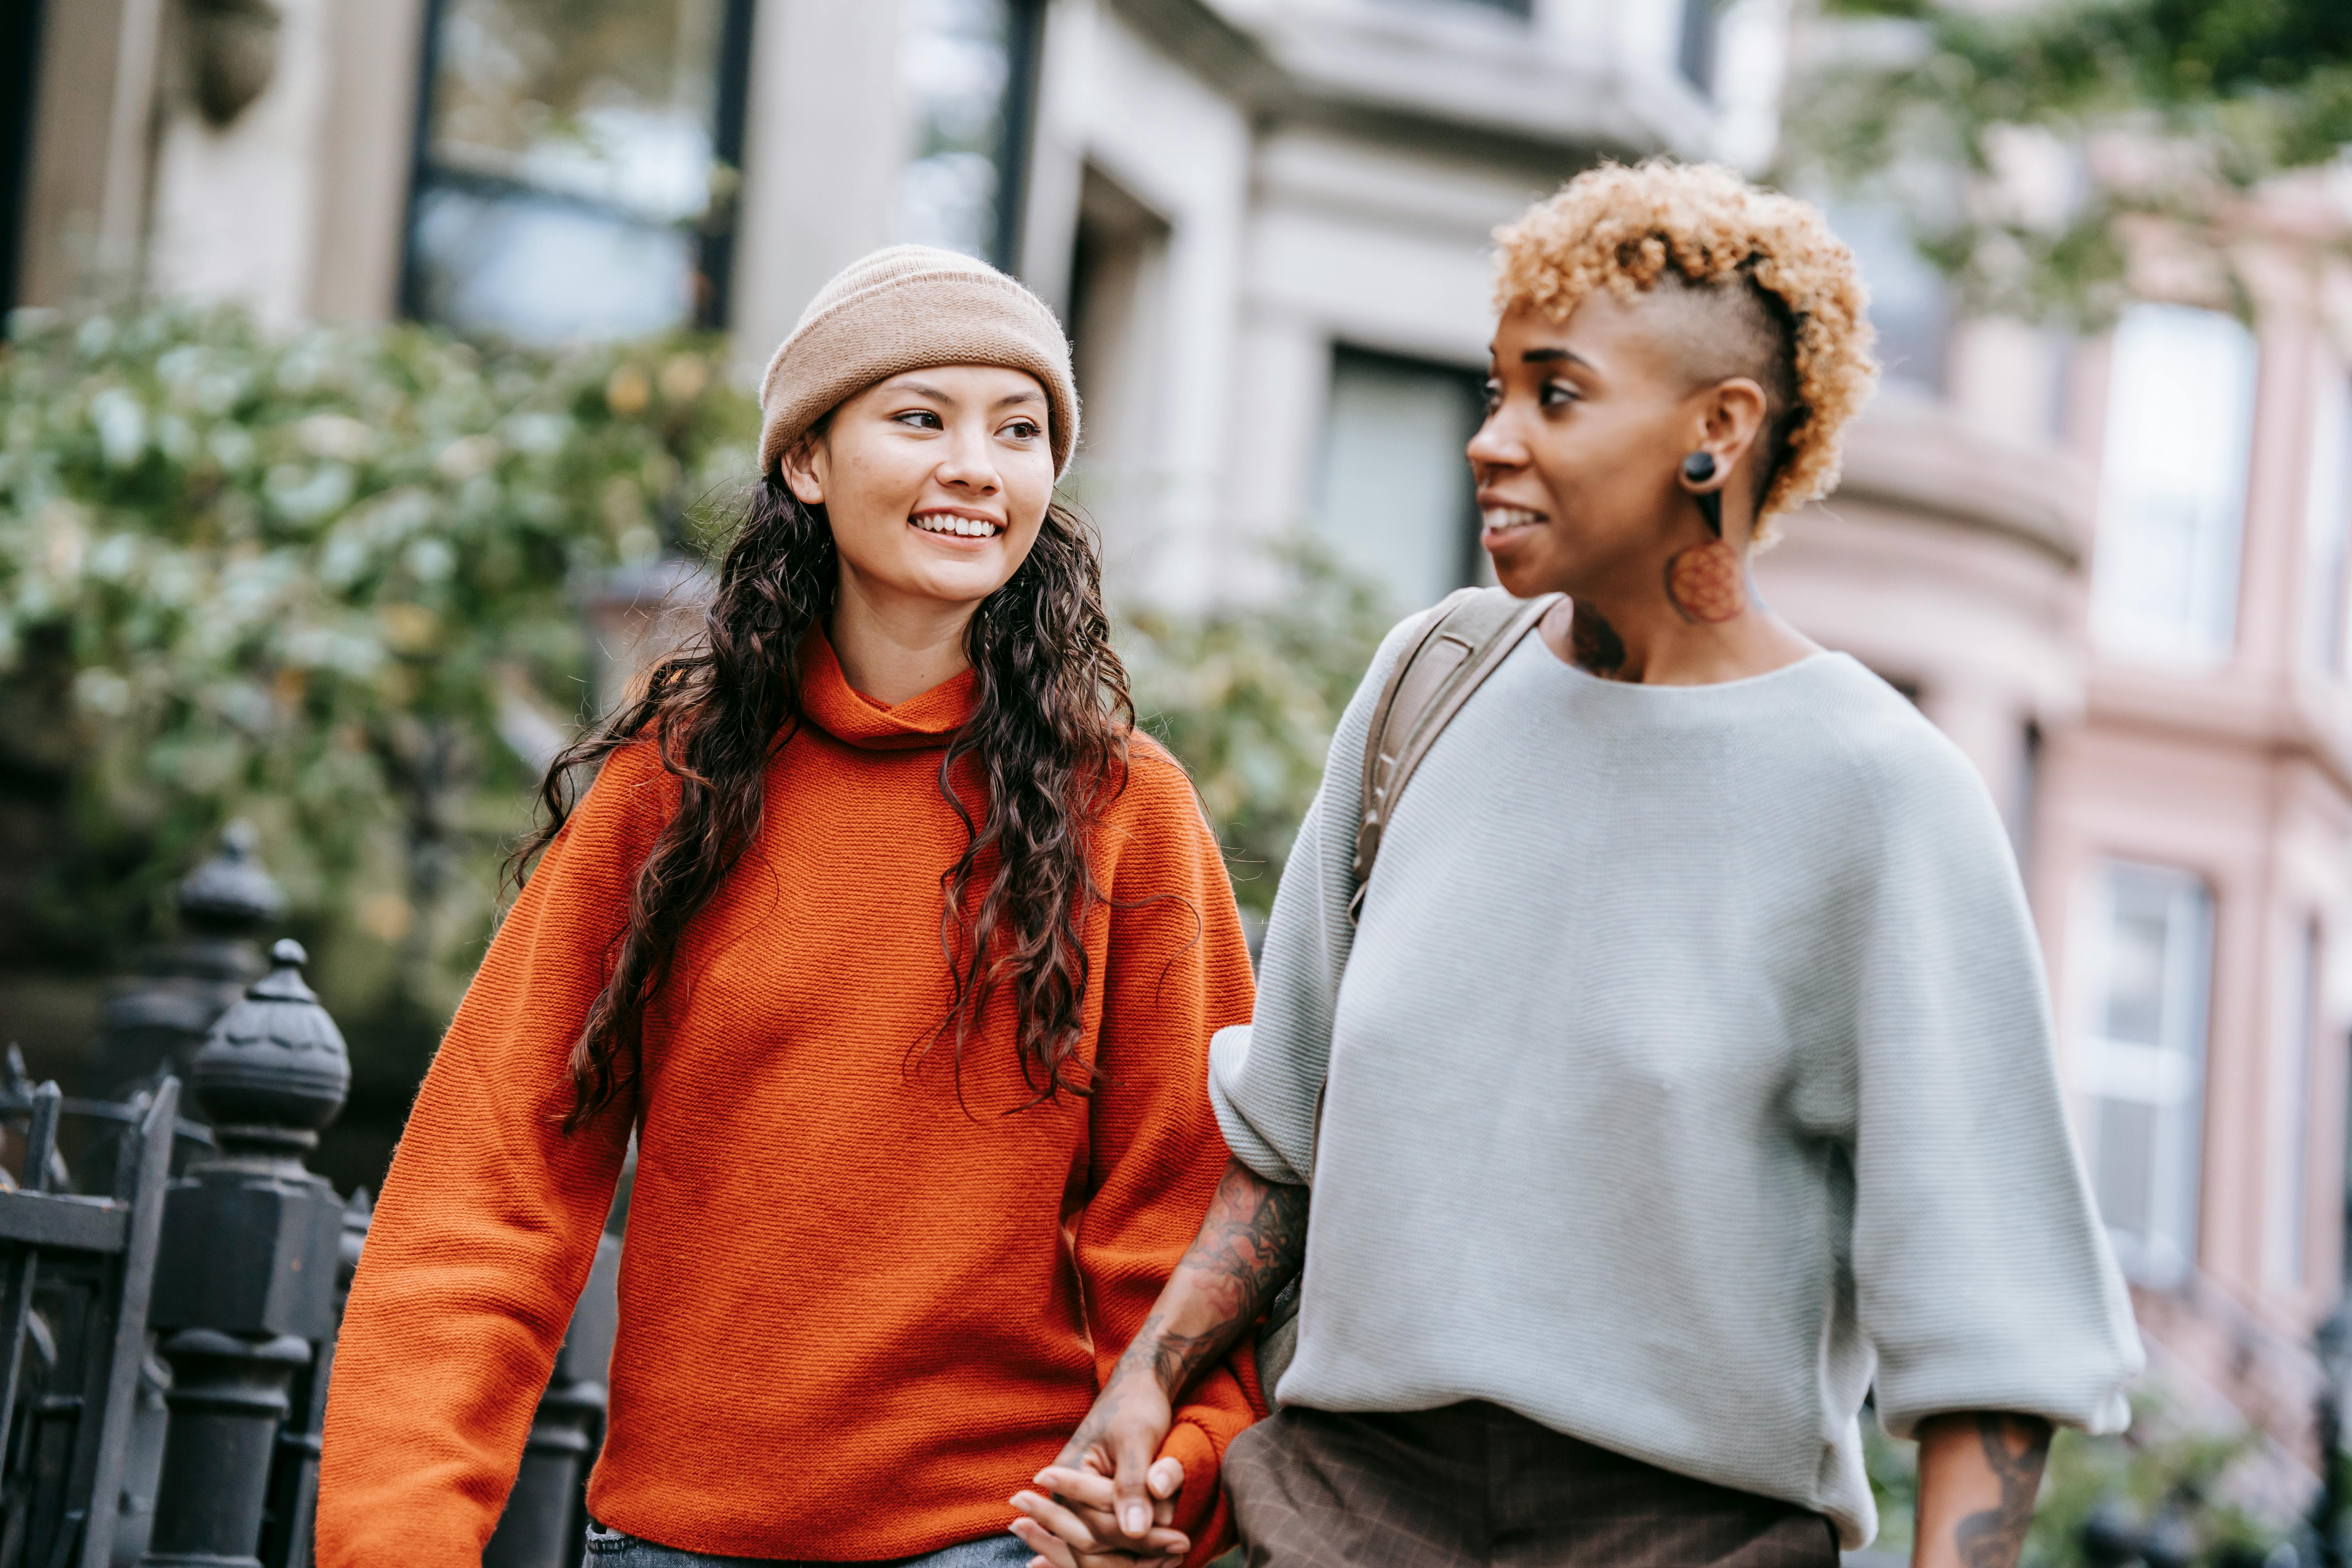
column 367, row 158
column 235, row 213
column 85, row 186
column 824, row 141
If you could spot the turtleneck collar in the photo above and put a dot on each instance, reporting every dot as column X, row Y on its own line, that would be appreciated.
column 851, row 717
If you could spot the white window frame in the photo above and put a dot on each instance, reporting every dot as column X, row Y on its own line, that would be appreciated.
column 2328, row 520
column 2168, row 1077
column 2293, row 1047
column 2180, row 395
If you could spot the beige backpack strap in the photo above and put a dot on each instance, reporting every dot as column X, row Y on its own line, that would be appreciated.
column 1457, row 644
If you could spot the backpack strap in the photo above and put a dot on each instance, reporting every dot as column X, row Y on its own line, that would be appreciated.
column 1455, row 647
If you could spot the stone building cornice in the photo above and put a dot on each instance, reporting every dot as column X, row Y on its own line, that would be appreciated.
column 1920, row 456
column 2229, row 709
column 1468, row 85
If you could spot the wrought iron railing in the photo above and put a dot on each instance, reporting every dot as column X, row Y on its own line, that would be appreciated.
column 166, row 1340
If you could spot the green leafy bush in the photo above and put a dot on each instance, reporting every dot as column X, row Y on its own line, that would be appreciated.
column 318, row 580
column 1248, row 695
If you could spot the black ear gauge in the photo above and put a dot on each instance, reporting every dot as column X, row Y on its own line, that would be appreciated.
column 1698, row 469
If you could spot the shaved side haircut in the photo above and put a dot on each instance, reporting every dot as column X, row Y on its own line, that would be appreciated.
column 1753, row 284
column 1728, row 327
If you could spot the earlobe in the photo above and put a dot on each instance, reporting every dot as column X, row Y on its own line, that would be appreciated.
column 1699, row 470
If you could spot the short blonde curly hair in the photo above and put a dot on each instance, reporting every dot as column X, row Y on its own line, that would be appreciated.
column 1624, row 228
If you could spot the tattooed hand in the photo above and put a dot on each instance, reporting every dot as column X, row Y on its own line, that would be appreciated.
column 1978, row 1474
column 1114, row 1448
column 1251, row 1245
column 1068, row 1523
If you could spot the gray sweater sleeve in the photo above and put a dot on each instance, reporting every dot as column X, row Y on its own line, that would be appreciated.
column 1266, row 1076
column 1982, row 1274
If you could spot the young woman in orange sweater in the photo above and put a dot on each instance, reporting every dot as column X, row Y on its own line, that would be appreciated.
column 898, row 951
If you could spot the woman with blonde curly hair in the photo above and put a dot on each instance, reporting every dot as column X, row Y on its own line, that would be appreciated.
column 1684, row 1068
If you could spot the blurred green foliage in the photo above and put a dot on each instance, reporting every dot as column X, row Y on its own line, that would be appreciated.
column 2172, row 1477
column 333, row 580
column 1247, row 696
column 2166, row 109
column 322, row 580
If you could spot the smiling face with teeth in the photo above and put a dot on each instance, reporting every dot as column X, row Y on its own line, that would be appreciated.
column 1578, row 462
column 934, row 482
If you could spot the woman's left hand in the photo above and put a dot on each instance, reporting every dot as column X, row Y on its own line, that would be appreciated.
column 1071, row 1523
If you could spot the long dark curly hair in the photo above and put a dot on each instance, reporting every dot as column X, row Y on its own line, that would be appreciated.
column 1047, row 739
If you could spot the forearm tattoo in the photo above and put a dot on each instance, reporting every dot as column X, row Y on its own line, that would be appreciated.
column 2015, row 1446
column 1252, row 1244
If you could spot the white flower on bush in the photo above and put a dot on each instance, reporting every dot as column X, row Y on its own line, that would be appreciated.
column 102, row 692
column 336, row 435
column 467, row 457
column 303, row 495
column 120, row 421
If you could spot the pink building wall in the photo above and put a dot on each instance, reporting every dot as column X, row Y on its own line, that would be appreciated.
column 1960, row 559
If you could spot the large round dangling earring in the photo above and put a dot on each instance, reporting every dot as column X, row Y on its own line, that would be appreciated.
column 1698, row 468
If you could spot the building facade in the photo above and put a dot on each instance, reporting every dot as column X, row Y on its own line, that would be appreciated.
column 2114, row 572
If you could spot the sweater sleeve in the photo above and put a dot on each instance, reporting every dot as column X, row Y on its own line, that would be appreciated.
column 1266, row 1076
column 1177, row 968
column 490, row 1218
column 1982, row 1273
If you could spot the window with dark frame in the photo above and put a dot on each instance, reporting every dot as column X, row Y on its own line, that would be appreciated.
column 20, row 69
column 1695, row 55
column 1395, row 500
column 969, row 71
column 576, row 166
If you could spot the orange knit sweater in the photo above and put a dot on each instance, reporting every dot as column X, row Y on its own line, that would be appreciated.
column 853, row 1320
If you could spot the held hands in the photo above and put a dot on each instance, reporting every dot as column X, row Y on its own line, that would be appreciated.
column 1112, row 1500
column 1109, row 1501
column 1074, row 1527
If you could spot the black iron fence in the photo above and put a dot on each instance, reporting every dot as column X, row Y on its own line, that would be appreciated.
column 171, row 1285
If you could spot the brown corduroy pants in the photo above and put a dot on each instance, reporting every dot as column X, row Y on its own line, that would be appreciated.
column 1475, row 1484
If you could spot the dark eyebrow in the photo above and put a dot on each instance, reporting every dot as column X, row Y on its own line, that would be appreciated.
column 1554, row 356
column 1009, row 399
column 924, row 389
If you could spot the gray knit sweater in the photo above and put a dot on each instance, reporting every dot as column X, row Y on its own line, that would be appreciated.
column 1690, row 1071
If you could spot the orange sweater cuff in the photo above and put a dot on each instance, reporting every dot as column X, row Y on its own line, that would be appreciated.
column 1200, row 1510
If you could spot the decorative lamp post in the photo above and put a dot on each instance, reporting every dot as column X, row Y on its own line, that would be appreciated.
column 244, row 1285
column 160, row 1019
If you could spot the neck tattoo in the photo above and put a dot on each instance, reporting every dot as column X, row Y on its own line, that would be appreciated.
column 1707, row 583
column 1593, row 643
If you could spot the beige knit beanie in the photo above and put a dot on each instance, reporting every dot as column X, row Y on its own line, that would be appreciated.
column 904, row 309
